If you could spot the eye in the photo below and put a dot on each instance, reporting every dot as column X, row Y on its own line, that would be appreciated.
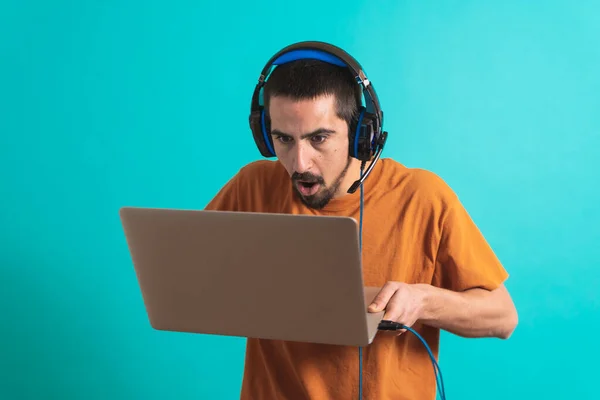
column 318, row 139
column 283, row 139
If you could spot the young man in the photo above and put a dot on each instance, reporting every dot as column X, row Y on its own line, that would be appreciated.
column 419, row 245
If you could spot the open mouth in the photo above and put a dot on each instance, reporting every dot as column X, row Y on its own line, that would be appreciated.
column 307, row 188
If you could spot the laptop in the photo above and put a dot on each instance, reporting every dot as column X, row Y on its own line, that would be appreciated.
column 253, row 275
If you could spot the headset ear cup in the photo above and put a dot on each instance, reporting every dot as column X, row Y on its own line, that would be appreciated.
column 354, row 133
column 364, row 137
column 361, row 137
column 260, row 127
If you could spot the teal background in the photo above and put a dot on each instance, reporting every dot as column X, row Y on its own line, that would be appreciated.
column 112, row 103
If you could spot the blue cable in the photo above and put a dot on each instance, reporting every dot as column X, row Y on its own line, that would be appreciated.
column 441, row 391
column 439, row 380
column 360, row 231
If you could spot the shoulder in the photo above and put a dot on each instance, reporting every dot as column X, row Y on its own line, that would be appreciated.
column 261, row 186
column 417, row 184
column 260, row 167
column 261, row 172
column 247, row 187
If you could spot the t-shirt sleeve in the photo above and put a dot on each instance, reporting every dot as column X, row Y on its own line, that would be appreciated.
column 465, row 260
column 226, row 199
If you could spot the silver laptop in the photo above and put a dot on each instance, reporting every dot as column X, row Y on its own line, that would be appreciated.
column 253, row 275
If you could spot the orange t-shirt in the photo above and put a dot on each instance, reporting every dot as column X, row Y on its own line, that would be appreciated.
column 415, row 230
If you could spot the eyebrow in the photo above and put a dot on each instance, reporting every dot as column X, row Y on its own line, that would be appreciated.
column 317, row 132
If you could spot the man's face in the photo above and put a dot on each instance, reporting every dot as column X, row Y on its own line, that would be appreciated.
column 311, row 142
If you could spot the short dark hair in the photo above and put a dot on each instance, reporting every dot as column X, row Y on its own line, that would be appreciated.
column 309, row 79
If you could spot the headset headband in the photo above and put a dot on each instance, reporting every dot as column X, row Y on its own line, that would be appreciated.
column 327, row 53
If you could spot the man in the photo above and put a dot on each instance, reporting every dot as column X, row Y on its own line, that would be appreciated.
column 419, row 244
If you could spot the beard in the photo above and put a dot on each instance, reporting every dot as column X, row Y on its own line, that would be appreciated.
column 322, row 193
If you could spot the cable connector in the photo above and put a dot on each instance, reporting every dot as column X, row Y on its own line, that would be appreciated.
column 387, row 325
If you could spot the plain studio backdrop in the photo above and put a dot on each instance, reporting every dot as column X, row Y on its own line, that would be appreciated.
column 112, row 103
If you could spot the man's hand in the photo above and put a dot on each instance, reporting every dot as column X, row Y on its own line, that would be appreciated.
column 402, row 302
column 472, row 313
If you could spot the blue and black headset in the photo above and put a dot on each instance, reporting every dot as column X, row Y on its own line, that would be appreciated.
column 367, row 137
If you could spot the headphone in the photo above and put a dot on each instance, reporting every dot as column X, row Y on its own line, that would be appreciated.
column 367, row 137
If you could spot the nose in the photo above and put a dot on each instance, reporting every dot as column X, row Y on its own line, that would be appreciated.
column 301, row 157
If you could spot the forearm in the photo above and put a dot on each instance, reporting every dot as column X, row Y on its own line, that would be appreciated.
column 473, row 313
